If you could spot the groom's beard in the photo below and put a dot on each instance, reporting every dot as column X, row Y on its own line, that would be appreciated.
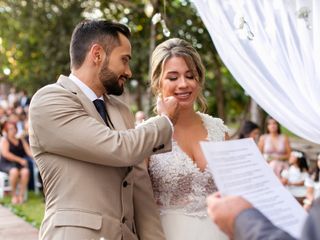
column 110, row 81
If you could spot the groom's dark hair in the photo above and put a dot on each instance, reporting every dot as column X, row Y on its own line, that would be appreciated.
column 89, row 32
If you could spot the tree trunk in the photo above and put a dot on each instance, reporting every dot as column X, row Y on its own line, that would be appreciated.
column 219, row 88
column 256, row 114
column 152, row 45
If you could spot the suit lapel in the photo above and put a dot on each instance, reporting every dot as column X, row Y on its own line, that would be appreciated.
column 89, row 107
column 117, row 118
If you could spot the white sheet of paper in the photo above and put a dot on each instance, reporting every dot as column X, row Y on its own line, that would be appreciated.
column 239, row 168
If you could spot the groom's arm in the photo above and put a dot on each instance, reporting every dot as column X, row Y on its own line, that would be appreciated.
column 146, row 214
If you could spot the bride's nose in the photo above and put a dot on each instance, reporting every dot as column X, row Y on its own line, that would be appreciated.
column 182, row 82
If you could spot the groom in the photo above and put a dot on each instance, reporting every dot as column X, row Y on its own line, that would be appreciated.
column 95, row 182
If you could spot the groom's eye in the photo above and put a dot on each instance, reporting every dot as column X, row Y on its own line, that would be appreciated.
column 125, row 60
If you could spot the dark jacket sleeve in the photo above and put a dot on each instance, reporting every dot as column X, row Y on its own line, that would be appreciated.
column 311, row 230
column 251, row 224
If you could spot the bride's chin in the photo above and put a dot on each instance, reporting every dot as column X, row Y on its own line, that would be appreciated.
column 186, row 105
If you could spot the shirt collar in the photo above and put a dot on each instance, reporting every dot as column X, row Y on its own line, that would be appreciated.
column 84, row 88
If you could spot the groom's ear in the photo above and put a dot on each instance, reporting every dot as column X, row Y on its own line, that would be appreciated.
column 96, row 54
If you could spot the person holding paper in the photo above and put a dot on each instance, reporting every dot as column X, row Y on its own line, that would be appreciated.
column 181, row 179
column 240, row 221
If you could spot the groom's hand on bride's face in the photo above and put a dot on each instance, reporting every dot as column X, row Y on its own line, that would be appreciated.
column 224, row 210
column 168, row 106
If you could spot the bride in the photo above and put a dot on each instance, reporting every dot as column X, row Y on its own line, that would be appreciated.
column 180, row 178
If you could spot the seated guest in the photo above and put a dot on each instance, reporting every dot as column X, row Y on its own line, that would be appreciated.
column 14, row 152
column 295, row 176
column 250, row 130
column 275, row 147
column 313, row 185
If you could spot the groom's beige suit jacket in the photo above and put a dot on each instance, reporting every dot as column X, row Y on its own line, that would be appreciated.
column 95, row 182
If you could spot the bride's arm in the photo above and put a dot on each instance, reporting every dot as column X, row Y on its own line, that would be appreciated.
column 226, row 136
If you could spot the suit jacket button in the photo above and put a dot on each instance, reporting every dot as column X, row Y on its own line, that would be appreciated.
column 154, row 149
column 123, row 220
column 125, row 184
column 161, row 146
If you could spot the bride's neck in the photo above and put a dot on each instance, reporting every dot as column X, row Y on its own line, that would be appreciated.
column 186, row 117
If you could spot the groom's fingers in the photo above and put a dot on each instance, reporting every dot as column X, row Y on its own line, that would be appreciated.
column 217, row 195
column 168, row 106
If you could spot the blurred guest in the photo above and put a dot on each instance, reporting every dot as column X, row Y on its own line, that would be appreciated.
column 24, row 99
column 313, row 185
column 19, row 117
column 12, row 98
column 295, row 176
column 275, row 146
column 13, row 161
column 31, row 162
column 250, row 130
column 2, row 113
column 140, row 117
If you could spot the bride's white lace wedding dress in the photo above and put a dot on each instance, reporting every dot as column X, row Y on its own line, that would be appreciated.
column 180, row 189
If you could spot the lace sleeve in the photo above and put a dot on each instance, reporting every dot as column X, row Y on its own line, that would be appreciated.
column 215, row 126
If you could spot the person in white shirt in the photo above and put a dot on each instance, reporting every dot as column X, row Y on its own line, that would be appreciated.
column 313, row 185
column 295, row 176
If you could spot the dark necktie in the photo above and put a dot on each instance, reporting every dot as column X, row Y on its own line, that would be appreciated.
column 101, row 108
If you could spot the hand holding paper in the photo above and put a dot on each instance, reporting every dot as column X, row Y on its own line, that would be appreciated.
column 239, row 169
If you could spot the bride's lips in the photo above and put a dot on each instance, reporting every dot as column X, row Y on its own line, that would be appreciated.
column 182, row 95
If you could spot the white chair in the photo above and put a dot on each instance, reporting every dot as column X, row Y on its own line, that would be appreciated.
column 36, row 180
column 4, row 184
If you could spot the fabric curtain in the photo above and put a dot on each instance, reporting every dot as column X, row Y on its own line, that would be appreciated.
column 272, row 48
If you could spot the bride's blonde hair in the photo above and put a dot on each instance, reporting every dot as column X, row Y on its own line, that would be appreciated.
column 176, row 47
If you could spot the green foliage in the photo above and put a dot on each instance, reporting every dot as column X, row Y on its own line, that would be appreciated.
column 288, row 133
column 31, row 211
column 35, row 36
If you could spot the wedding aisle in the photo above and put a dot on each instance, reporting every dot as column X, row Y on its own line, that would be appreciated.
column 14, row 228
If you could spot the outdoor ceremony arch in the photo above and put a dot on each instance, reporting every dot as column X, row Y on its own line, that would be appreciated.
column 272, row 48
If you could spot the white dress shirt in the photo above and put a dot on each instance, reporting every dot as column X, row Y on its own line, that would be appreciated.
column 84, row 88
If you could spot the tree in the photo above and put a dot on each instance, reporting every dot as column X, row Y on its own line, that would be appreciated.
column 35, row 39
column 35, row 36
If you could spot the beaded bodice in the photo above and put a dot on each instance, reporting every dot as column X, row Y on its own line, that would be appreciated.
column 177, row 182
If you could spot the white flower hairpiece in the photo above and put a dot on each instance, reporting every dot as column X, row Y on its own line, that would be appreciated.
column 297, row 154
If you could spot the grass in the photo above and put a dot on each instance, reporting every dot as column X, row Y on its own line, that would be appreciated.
column 31, row 211
column 288, row 133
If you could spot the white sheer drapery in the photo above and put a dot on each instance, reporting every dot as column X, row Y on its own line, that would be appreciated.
column 272, row 48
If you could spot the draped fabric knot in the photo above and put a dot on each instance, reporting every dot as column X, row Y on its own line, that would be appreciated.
column 101, row 108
